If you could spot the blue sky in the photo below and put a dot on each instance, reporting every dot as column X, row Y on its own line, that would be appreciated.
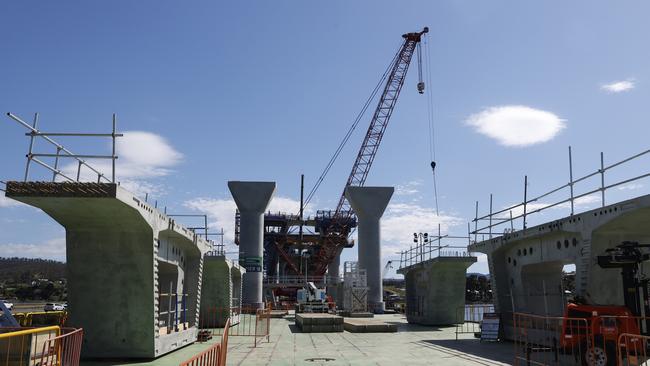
column 266, row 90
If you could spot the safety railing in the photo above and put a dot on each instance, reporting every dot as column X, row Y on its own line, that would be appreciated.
column 51, row 345
column 606, row 331
column 215, row 355
column 64, row 153
column 632, row 349
column 262, row 325
column 299, row 280
column 243, row 321
column 547, row 340
column 469, row 318
column 507, row 216
column 428, row 251
column 41, row 318
column 172, row 312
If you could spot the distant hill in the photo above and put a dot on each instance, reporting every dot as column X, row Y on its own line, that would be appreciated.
column 27, row 269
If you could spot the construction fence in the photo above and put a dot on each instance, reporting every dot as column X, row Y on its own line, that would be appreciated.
column 215, row 355
column 242, row 321
column 598, row 340
column 41, row 318
column 51, row 345
column 469, row 318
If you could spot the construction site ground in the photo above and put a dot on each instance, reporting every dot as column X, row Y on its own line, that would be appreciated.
column 410, row 345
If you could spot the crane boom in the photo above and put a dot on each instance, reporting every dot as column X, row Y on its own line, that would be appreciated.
column 371, row 141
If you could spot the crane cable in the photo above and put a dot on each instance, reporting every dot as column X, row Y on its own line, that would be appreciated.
column 354, row 125
column 432, row 141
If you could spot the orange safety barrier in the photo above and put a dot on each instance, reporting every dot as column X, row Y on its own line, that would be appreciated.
column 632, row 349
column 548, row 340
column 62, row 350
column 216, row 355
column 262, row 325
column 243, row 321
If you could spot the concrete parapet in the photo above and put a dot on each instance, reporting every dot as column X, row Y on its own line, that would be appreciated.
column 134, row 274
column 435, row 289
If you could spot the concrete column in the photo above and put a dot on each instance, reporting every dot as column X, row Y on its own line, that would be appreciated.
column 369, row 204
column 252, row 199
column 333, row 268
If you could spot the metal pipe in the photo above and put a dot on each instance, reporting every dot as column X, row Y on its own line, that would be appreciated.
column 39, row 133
column 113, row 138
column 71, row 156
column 525, row 197
column 490, row 215
column 31, row 145
column 571, row 178
column 602, row 178
column 56, row 164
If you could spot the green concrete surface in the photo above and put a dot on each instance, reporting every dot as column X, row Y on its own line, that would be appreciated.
column 411, row 345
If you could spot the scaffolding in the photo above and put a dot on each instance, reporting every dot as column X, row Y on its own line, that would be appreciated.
column 355, row 288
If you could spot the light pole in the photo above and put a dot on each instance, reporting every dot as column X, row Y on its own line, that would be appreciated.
column 421, row 239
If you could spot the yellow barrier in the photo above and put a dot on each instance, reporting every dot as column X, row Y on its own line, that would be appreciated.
column 20, row 346
column 41, row 318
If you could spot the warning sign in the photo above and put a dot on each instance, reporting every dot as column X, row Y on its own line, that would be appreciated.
column 251, row 264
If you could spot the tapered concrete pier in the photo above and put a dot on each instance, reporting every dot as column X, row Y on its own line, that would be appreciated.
column 134, row 274
column 252, row 199
column 369, row 203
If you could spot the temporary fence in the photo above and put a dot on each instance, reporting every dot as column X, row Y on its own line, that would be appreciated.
column 632, row 349
column 40, row 346
column 470, row 316
column 216, row 355
column 547, row 340
column 41, row 318
column 243, row 321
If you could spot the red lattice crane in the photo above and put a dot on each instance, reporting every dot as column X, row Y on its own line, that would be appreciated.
column 331, row 247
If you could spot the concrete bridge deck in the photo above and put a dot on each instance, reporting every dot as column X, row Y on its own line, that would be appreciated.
column 134, row 274
column 526, row 265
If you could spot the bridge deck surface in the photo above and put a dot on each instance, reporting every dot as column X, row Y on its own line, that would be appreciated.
column 411, row 345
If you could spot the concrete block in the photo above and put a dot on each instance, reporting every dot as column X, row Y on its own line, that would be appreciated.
column 368, row 326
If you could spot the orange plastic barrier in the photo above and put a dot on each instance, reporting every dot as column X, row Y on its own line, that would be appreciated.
column 215, row 355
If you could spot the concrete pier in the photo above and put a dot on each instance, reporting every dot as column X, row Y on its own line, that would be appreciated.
column 252, row 199
column 435, row 290
column 134, row 274
column 369, row 204
column 526, row 265
column 220, row 290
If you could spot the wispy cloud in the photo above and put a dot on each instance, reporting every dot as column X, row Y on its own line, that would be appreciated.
column 401, row 220
column 143, row 156
column 8, row 202
column 618, row 86
column 630, row 187
column 408, row 188
column 516, row 125
column 51, row 249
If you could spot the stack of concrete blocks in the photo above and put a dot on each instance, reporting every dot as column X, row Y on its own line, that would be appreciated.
column 435, row 290
column 319, row 323
column 220, row 292
column 126, row 262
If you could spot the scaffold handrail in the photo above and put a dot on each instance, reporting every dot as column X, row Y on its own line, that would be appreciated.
column 496, row 218
column 63, row 152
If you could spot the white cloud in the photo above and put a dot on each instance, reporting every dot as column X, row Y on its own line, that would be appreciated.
column 618, row 86
column 141, row 156
column 8, row 202
column 408, row 188
column 51, row 249
column 515, row 125
column 401, row 220
column 630, row 187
